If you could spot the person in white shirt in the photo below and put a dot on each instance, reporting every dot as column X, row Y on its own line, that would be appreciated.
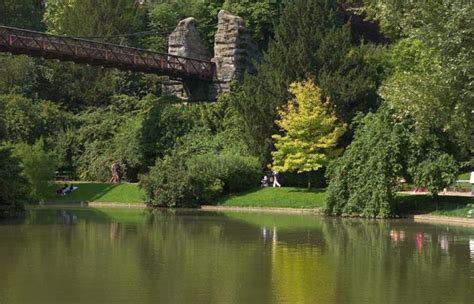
column 275, row 179
column 471, row 180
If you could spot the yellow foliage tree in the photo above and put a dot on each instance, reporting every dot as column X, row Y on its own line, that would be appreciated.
column 310, row 129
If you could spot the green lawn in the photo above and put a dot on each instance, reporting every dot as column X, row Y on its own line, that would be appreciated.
column 464, row 186
column 285, row 197
column 102, row 192
column 424, row 204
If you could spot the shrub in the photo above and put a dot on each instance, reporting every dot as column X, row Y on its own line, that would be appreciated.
column 168, row 184
column 37, row 167
column 13, row 186
column 437, row 171
column 198, row 170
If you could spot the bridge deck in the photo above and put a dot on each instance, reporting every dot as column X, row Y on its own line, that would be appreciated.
column 37, row 44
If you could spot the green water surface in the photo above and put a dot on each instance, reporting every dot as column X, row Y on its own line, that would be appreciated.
column 141, row 256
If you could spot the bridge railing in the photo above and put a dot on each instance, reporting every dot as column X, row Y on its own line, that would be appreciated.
column 19, row 41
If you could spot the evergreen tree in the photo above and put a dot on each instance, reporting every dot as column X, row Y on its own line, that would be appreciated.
column 108, row 20
column 310, row 39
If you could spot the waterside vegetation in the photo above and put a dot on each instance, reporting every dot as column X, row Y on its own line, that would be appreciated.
column 370, row 94
column 285, row 197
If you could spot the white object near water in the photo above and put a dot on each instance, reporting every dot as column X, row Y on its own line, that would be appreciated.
column 471, row 180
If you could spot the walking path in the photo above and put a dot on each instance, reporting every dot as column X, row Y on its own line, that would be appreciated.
column 449, row 193
column 438, row 219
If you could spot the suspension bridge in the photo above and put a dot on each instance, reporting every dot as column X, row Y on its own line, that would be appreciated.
column 84, row 51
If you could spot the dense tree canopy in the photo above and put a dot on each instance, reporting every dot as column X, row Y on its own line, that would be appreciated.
column 22, row 13
column 310, row 40
column 424, row 130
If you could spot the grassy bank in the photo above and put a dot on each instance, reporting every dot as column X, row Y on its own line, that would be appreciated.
column 457, row 206
column 101, row 192
column 286, row 197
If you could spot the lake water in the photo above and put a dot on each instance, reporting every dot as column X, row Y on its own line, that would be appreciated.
column 138, row 256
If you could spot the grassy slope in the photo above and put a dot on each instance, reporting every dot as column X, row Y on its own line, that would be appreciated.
column 301, row 198
column 448, row 205
column 101, row 192
column 276, row 197
column 464, row 186
column 266, row 197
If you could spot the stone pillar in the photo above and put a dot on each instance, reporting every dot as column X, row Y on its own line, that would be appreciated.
column 234, row 50
column 187, row 41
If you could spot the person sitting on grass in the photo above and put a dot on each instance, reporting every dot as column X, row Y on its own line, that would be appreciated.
column 61, row 190
column 68, row 189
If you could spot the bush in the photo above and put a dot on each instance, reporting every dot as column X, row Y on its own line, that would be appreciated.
column 199, row 170
column 13, row 186
column 435, row 172
column 225, row 172
column 37, row 167
column 168, row 184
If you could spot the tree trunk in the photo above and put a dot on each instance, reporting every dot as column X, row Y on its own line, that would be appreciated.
column 309, row 180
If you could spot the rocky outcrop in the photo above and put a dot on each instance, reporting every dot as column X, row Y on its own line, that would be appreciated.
column 234, row 50
column 187, row 41
column 234, row 53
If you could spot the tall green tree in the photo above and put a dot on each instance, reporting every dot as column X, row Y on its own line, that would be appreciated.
column 25, row 14
column 363, row 180
column 259, row 16
column 94, row 18
column 310, row 132
column 423, row 130
column 431, row 81
column 112, row 21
